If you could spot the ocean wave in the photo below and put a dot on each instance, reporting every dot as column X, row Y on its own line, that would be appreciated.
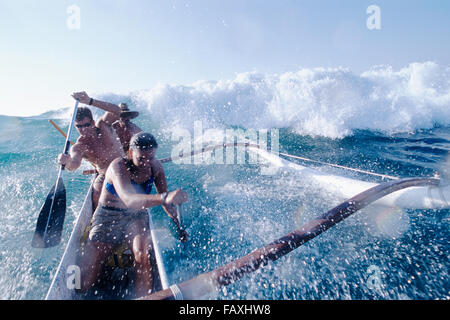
column 329, row 102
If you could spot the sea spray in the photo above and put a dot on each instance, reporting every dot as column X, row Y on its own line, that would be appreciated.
column 233, row 209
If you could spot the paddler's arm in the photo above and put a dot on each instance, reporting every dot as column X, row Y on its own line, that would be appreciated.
column 161, row 187
column 122, row 184
column 112, row 110
column 71, row 161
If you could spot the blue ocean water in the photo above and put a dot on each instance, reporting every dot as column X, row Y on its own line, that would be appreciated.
column 384, row 121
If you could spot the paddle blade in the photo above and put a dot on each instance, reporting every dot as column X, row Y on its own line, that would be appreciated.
column 51, row 218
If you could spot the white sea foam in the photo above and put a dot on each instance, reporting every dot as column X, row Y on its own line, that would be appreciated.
column 330, row 102
column 319, row 102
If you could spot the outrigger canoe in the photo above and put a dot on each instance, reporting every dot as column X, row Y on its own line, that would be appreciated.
column 117, row 281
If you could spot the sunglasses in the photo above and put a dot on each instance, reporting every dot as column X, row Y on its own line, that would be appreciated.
column 79, row 126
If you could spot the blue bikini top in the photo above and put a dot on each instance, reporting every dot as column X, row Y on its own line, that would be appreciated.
column 147, row 186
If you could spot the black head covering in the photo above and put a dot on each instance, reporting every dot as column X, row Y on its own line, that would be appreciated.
column 143, row 141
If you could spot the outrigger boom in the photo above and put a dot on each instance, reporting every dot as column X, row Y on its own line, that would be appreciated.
column 209, row 282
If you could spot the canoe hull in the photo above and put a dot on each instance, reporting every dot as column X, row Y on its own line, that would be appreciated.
column 115, row 283
column 64, row 283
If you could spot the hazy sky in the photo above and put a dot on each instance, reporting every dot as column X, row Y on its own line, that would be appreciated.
column 125, row 45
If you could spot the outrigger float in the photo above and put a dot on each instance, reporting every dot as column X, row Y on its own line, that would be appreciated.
column 117, row 280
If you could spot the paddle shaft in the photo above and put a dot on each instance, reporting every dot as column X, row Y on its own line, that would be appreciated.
column 60, row 131
column 61, row 168
column 180, row 216
column 85, row 172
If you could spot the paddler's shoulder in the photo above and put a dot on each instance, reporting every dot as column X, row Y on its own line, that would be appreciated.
column 117, row 168
column 118, row 163
column 157, row 167
column 81, row 144
column 104, row 127
column 106, row 121
column 80, row 140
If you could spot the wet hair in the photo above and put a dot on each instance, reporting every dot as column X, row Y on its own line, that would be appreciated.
column 83, row 112
column 143, row 141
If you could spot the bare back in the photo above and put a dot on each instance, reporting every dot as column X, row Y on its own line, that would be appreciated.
column 125, row 132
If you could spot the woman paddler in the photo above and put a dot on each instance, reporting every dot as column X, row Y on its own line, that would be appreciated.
column 121, row 215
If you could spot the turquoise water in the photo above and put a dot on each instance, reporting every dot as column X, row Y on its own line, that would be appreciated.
column 394, row 122
column 233, row 209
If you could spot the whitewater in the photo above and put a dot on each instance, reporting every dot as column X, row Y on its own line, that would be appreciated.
column 394, row 122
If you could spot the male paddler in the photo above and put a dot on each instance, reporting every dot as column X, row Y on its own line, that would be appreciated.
column 125, row 129
column 121, row 216
column 98, row 142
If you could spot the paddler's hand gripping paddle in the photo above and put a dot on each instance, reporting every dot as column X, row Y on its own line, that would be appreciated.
column 50, row 222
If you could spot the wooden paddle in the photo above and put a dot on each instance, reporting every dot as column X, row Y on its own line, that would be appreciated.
column 50, row 222
column 60, row 131
column 182, row 234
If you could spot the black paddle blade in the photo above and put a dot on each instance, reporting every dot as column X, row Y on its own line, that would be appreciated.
column 49, row 235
